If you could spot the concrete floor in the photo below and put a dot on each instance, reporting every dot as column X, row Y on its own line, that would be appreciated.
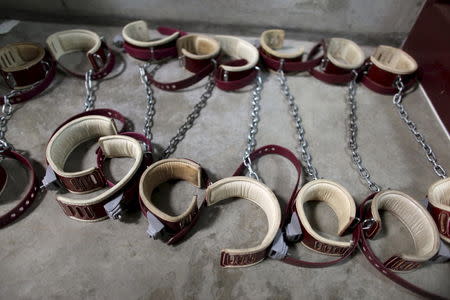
column 46, row 255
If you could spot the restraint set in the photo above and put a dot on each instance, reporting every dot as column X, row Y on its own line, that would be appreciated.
column 229, row 63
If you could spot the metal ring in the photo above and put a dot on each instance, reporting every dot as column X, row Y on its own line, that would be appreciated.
column 368, row 223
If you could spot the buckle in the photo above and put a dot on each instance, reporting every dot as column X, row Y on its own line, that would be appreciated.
column 114, row 209
column 118, row 41
column 155, row 227
column 323, row 63
column 10, row 80
column 280, row 68
column 182, row 61
column 98, row 60
column 366, row 66
column 368, row 223
column 152, row 53
column 293, row 229
column 225, row 75
column 279, row 248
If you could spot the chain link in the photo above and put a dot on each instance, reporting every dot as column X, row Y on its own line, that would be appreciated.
column 190, row 118
column 150, row 111
column 7, row 111
column 397, row 101
column 89, row 103
column 352, row 134
column 251, row 138
column 293, row 110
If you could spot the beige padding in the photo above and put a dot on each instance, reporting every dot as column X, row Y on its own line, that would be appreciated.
column 198, row 46
column 20, row 56
column 68, row 41
column 239, row 49
column 415, row 218
column 163, row 171
column 337, row 198
column 137, row 34
column 439, row 194
column 113, row 146
column 273, row 39
column 393, row 60
column 254, row 191
column 73, row 134
column 344, row 53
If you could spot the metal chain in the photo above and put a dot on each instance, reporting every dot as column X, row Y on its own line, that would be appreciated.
column 150, row 111
column 352, row 134
column 89, row 103
column 397, row 101
column 7, row 111
column 190, row 118
column 293, row 110
column 251, row 138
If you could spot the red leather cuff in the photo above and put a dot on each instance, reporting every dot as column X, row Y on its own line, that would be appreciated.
column 383, row 82
column 102, row 63
column 39, row 76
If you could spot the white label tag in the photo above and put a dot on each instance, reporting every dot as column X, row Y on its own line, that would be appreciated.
column 6, row 26
column 154, row 226
column 49, row 178
column 113, row 208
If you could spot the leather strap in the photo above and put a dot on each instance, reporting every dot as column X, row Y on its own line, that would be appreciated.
column 307, row 264
column 207, row 68
column 30, row 195
column 229, row 75
column 174, row 228
column 384, row 268
column 100, row 57
column 27, row 68
column 157, row 52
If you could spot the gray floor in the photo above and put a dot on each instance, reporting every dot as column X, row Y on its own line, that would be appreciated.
column 46, row 255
